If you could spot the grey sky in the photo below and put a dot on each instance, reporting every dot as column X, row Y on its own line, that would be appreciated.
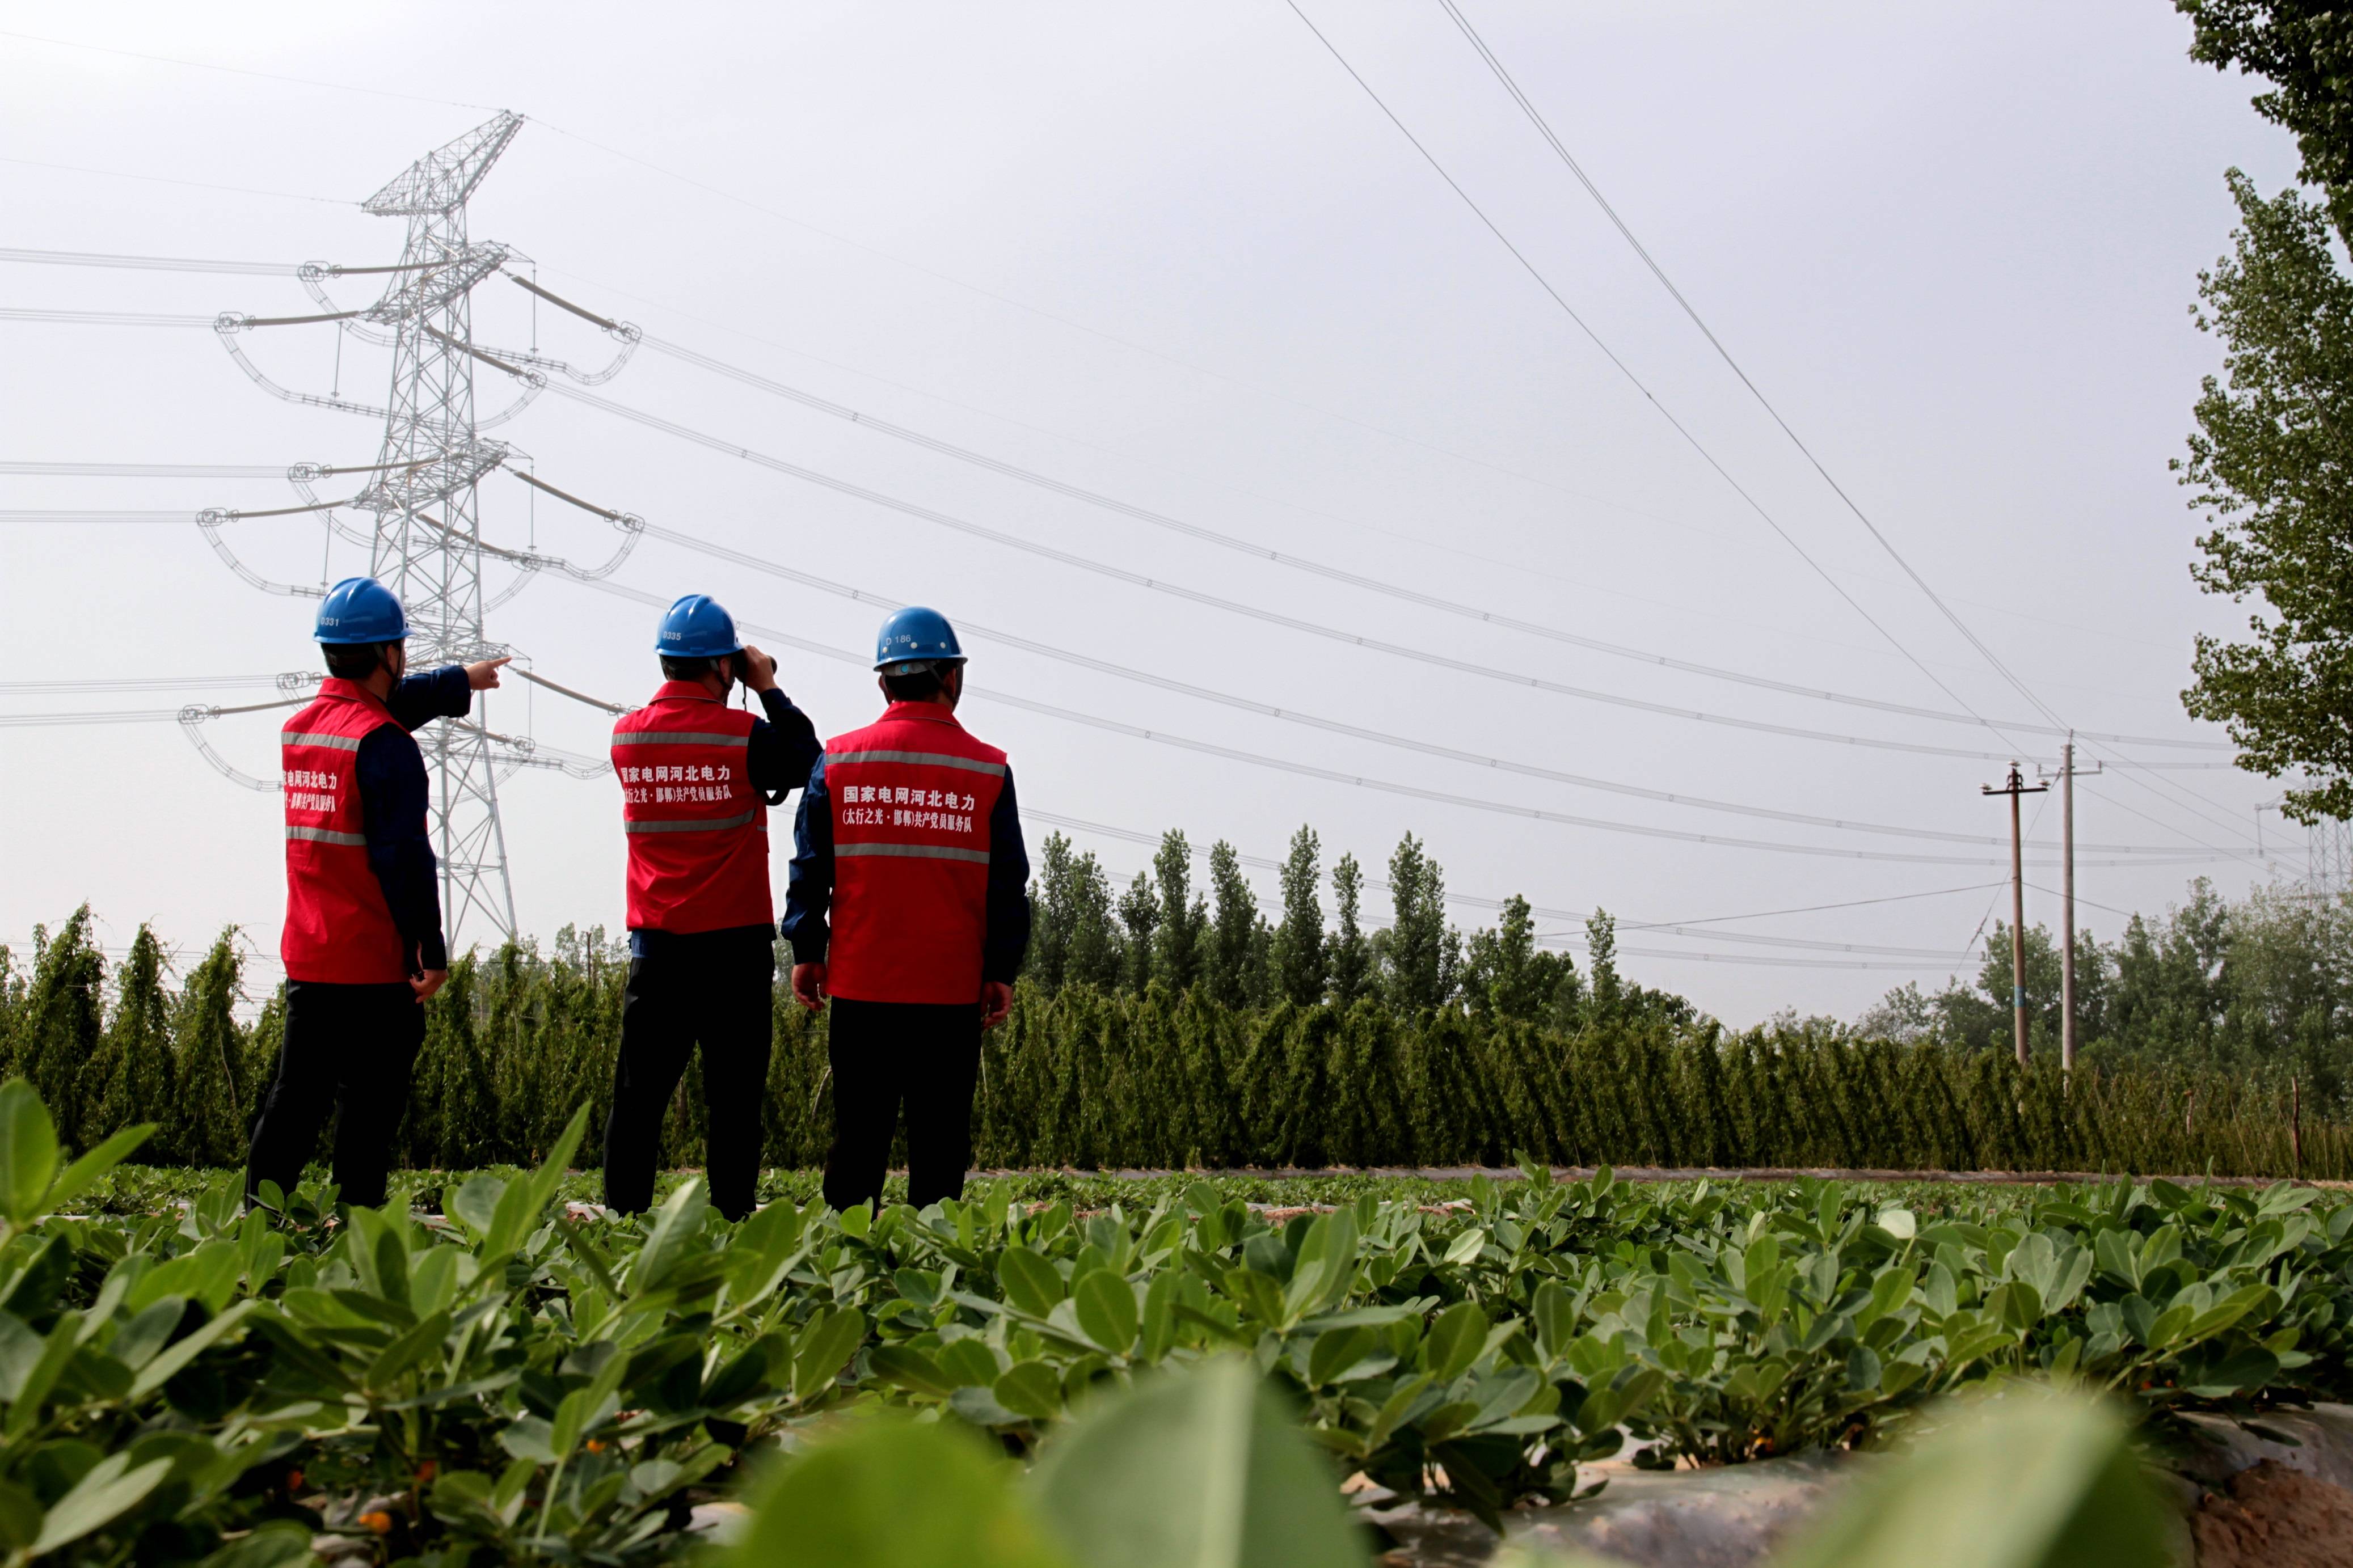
column 1176, row 256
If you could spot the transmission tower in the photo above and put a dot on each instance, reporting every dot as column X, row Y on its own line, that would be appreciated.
column 428, row 545
column 2331, row 867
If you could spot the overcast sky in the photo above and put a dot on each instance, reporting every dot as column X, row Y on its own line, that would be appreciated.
column 1177, row 256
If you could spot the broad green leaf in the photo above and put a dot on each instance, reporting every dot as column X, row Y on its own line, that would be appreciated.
column 1454, row 1341
column 525, row 1201
column 29, row 1153
column 886, row 1492
column 677, row 1226
column 1031, row 1284
column 1335, row 1350
column 475, row 1203
column 1106, row 1303
column 107, row 1492
column 2028, row 1481
column 1030, row 1388
column 825, row 1348
column 1204, row 1469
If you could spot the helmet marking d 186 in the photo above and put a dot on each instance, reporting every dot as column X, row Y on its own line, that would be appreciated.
column 915, row 636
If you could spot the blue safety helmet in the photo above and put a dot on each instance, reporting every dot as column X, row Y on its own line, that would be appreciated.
column 914, row 639
column 697, row 627
column 360, row 610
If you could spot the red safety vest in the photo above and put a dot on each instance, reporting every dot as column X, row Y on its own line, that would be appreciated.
column 338, row 927
column 910, row 796
column 698, row 830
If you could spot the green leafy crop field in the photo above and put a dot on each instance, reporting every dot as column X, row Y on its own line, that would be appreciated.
column 493, row 1374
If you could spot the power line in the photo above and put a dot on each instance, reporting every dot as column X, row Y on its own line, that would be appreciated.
column 1159, row 586
column 151, row 470
column 1625, row 370
column 1377, row 737
column 1342, row 574
column 1224, row 540
column 1527, row 106
column 148, row 263
column 1333, row 775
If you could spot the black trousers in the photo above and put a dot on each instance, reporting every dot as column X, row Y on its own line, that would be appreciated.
column 684, row 992
column 348, row 1049
column 925, row 1054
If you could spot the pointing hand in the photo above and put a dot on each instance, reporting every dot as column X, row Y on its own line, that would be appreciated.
column 484, row 674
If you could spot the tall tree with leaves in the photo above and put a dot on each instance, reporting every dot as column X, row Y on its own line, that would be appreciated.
column 1139, row 919
column 2305, row 49
column 1504, row 973
column 1233, row 927
column 1072, row 940
column 59, row 1024
column 1184, row 915
column 1299, row 940
column 2272, row 466
column 1422, row 952
column 1349, row 956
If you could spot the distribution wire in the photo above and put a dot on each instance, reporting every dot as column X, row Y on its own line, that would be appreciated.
column 1332, row 726
column 1160, row 586
column 2183, row 796
column 1626, row 370
column 1751, row 502
column 1210, row 535
column 535, row 753
column 306, row 269
column 1305, row 769
column 1342, row 574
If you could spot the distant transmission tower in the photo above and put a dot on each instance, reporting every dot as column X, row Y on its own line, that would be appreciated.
column 425, row 539
column 428, row 539
column 2330, row 868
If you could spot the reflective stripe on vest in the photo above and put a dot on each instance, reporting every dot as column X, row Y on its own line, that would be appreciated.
column 915, row 851
column 910, row 798
column 696, row 827
column 339, row 930
column 925, row 759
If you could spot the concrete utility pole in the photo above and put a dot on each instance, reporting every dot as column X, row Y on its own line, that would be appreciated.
column 2066, row 777
column 2016, row 787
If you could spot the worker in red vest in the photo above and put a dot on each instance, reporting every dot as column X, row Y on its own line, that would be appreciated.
column 908, row 834
column 361, row 942
column 697, row 779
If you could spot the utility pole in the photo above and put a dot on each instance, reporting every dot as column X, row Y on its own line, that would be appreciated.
column 2066, row 777
column 2016, row 787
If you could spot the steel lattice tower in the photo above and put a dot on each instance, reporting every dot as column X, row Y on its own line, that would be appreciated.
column 427, row 546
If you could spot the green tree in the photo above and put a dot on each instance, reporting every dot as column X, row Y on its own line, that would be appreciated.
column 2305, row 49
column 1422, row 952
column 131, row 1078
column 1184, row 915
column 1349, row 956
column 1299, row 943
column 1504, row 970
column 1233, row 928
column 1139, row 919
column 2272, row 467
column 1605, row 989
column 1073, row 941
column 59, row 1023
